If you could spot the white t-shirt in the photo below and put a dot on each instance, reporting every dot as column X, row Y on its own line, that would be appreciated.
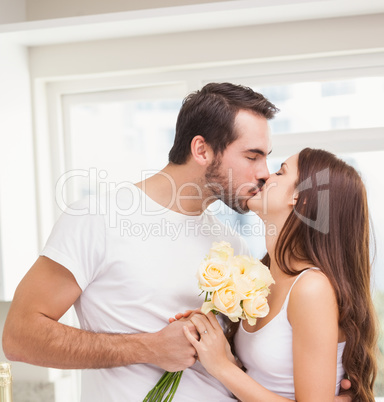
column 135, row 262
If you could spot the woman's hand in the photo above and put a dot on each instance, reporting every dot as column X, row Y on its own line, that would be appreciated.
column 213, row 348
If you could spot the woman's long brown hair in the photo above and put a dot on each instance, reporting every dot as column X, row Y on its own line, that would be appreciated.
column 329, row 226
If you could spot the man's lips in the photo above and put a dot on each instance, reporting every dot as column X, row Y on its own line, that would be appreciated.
column 256, row 191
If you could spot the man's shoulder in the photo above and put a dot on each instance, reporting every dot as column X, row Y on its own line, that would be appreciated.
column 124, row 197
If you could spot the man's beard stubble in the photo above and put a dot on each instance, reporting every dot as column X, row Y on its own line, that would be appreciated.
column 221, row 186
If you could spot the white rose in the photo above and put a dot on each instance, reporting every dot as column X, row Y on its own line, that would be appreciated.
column 256, row 305
column 222, row 251
column 250, row 275
column 255, row 269
column 226, row 300
column 213, row 274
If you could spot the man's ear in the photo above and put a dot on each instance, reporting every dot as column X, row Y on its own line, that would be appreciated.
column 201, row 152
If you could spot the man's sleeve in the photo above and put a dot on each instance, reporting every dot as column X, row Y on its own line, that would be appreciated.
column 78, row 243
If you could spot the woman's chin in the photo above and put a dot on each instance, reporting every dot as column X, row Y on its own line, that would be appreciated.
column 255, row 206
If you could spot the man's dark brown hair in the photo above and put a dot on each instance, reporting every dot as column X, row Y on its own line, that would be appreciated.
column 210, row 112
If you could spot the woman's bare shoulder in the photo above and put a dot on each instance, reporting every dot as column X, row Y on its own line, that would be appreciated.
column 312, row 287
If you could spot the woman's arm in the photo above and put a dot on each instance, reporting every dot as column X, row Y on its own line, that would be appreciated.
column 212, row 354
column 313, row 315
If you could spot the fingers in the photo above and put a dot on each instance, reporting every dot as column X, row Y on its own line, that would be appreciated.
column 193, row 331
column 186, row 314
column 190, row 337
column 195, row 311
column 213, row 320
column 189, row 313
column 202, row 324
column 345, row 384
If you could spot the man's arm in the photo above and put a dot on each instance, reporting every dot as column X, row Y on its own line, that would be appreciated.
column 32, row 333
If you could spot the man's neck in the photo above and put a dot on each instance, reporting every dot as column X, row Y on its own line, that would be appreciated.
column 180, row 188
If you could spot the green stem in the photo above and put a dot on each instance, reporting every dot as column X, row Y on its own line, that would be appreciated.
column 174, row 387
column 159, row 385
column 157, row 393
column 165, row 388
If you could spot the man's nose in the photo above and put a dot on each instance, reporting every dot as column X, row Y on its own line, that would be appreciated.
column 262, row 173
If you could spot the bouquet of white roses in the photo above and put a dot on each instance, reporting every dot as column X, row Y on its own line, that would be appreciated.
column 236, row 286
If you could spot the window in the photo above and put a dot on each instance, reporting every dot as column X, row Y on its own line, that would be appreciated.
column 339, row 122
column 338, row 88
column 320, row 106
column 114, row 138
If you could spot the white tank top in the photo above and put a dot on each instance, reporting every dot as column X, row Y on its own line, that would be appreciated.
column 267, row 353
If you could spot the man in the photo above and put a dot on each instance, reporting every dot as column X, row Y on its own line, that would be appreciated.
column 124, row 284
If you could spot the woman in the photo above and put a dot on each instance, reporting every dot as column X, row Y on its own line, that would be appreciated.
column 321, row 320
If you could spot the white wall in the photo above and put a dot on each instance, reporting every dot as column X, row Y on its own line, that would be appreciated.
column 47, row 9
column 12, row 11
column 209, row 46
column 18, row 229
column 17, row 181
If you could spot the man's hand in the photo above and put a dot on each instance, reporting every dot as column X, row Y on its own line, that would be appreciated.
column 183, row 316
column 344, row 395
column 171, row 349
